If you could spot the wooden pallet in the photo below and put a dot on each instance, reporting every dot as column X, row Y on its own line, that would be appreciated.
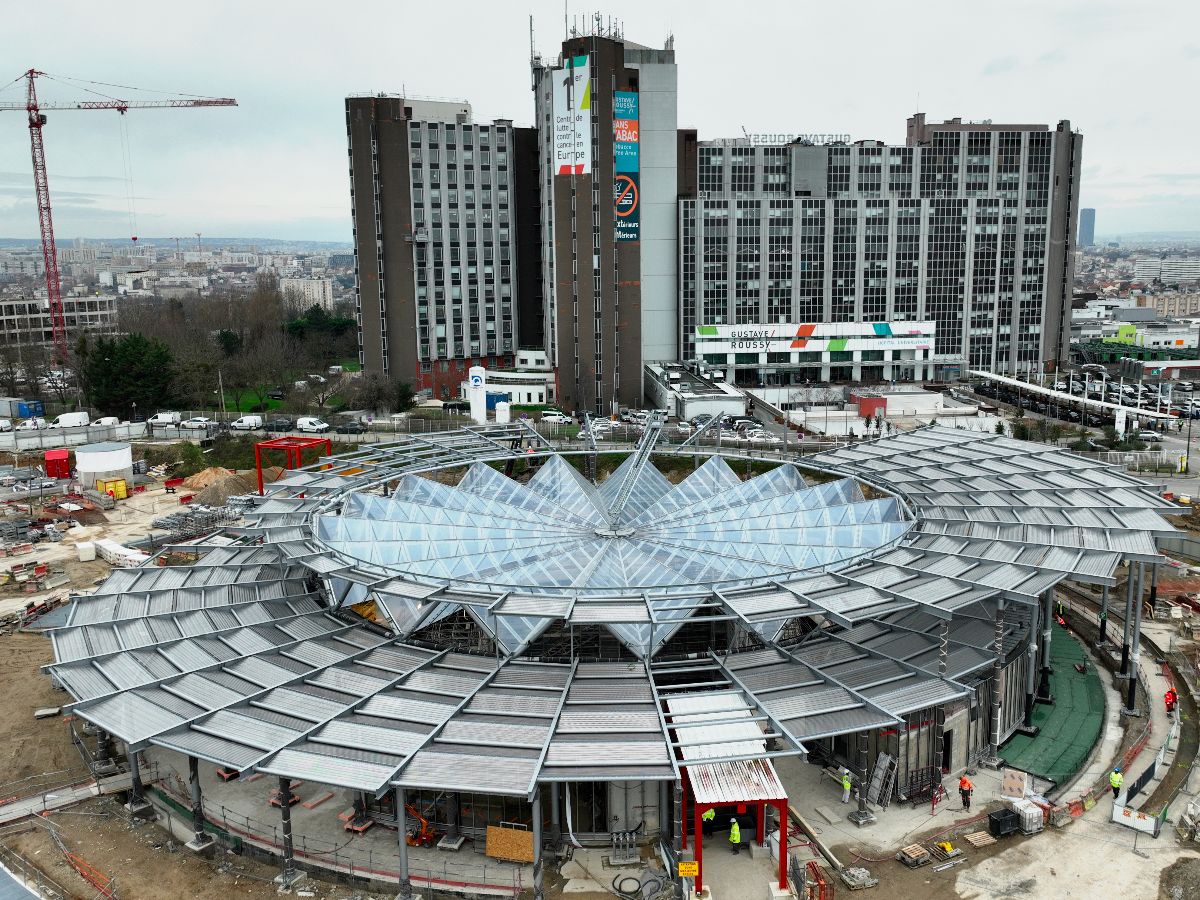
column 980, row 839
column 914, row 855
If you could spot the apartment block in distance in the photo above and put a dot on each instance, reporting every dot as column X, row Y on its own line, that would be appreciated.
column 869, row 262
column 435, row 239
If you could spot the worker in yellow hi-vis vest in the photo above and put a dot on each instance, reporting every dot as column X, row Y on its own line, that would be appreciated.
column 846, row 785
column 735, row 836
column 706, row 821
column 1115, row 780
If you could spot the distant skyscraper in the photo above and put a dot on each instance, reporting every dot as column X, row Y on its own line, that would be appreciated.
column 1087, row 227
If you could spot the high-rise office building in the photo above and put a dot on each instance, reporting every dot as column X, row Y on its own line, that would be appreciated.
column 1087, row 228
column 435, row 238
column 606, row 120
column 957, row 249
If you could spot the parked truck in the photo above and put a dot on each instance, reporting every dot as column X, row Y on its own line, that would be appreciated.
column 16, row 408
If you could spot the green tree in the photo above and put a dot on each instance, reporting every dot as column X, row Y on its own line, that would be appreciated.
column 120, row 372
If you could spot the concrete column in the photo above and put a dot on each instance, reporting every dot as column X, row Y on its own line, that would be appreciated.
column 1043, row 692
column 1128, row 619
column 289, row 875
column 137, row 805
column 201, row 840
column 664, row 812
column 556, row 817
column 402, row 830
column 1135, row 643
column 538, row 889
column 1103, row 617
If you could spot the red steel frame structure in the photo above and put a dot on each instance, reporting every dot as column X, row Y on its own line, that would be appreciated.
column 698, row 810
column 292, row 447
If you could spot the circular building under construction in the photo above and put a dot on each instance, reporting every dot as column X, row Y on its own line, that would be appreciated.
column 464, row 637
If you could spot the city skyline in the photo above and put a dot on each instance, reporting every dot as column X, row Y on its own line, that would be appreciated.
column 275, row 165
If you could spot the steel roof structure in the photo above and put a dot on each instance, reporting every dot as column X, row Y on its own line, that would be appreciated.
column 903, row 548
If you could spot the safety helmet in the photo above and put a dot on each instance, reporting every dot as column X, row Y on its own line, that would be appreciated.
column 733, row 821
column 1117, row 769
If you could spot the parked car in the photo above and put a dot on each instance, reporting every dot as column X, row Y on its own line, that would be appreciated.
column 247, row 423
column 70, row 420
column 275, row 393
column 554, row 417
column 6, row 425
column 310, row 424
column 35, row 424
column 279, row 423
column 1149, row 437
column 765, row 437
column 351, row 428
column 196, row 422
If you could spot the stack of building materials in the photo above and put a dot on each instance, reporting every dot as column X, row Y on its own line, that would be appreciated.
column 117, row 554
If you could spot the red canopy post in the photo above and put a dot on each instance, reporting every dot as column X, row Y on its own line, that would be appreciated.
column 293, row 449
column 783, row 843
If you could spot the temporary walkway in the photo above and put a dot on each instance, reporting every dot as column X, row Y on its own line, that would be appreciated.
column 1070, row 727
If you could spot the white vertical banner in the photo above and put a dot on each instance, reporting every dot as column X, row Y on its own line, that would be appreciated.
column 572, row 113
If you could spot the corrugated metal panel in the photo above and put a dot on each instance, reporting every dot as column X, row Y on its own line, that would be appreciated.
column 498, row 734
column 83, row 681
column 232, row 726
column 493, row 774
column 123, row 671
column 437, row 679
column 206, row 746
column 533, row 703
column 353, row 683
column 203, row 692
column 296, row 703
column 370, row 737
column 260, row 671
column 735, row 782
column 618, row 751
column 406, row 709
column 589, row 720
column 328, row 770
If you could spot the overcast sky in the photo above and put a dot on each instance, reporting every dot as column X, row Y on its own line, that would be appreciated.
column 1125, row 74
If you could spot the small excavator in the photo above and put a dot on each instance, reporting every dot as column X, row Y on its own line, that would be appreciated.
column 423, row 834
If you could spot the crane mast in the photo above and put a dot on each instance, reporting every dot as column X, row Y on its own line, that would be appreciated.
column 58, row 320
column 41, row 181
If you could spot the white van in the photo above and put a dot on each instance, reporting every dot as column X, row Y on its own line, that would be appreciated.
column 104, row 421
column 36, row 424
column 555, row 417
column 71, row 420
column 247, row 423
column 164, row 418
column 5, row 424
column 310, row 424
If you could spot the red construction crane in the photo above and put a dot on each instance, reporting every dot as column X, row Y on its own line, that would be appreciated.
column 36, row 120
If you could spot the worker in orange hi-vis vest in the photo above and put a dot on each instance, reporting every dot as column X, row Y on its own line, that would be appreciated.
column 965, row 789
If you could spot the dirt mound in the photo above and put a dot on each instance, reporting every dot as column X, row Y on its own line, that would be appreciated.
column 230, row 486
column 206, row 477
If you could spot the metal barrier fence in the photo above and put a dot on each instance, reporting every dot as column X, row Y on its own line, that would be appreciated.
column 33, row 877
column 368, row 863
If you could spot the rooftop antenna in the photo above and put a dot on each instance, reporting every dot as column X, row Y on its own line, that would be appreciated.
column 532, row 51
column 566, row 30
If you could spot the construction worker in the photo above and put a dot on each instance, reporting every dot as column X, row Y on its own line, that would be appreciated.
column 1115, row 780
column 1171, row 699
column 846, row 785
column 735, row 836
column 965, row 789
column 1058, row 603
column 706, row 821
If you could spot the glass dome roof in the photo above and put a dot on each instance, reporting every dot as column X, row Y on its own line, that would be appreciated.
column 635, row 531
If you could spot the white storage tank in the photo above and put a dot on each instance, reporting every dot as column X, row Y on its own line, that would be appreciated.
column 503, row 413
column 104, row 461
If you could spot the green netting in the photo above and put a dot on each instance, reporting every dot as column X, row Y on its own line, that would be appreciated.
column 1069, row 728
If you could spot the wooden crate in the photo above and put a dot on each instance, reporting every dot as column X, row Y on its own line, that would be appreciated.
column 512, row 844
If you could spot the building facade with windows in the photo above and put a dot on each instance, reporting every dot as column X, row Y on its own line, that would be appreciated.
column 435, row 242
column 968, row 226
column 1087, row 228
column 608, row 151
column 308, row 291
